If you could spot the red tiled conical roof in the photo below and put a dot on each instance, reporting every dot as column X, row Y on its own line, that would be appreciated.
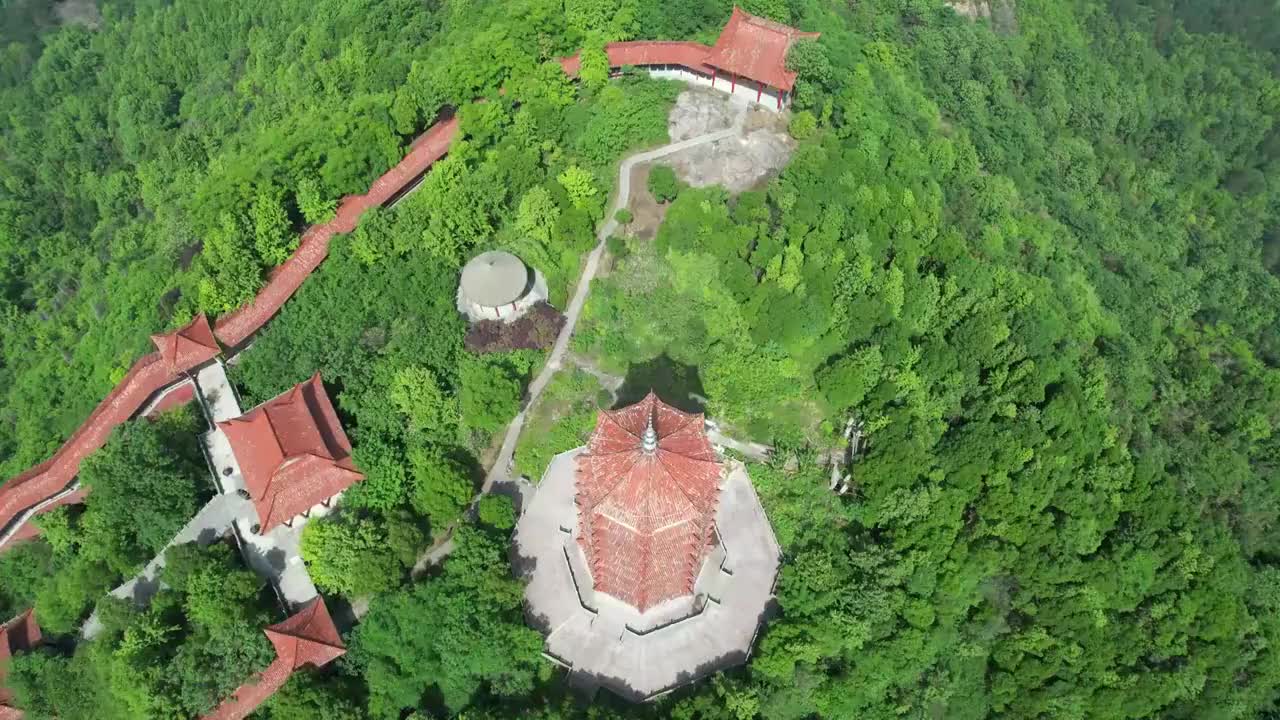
column 187, row 346
column 647, row 489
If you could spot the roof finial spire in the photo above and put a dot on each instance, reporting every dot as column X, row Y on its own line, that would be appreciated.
column 650, row 443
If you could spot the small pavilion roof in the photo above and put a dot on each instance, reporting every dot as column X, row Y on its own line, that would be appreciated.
column 292, row 452
column 308, row 637
column 188, row 346
column 18, row 635
column 756, row 48
column 494, row 279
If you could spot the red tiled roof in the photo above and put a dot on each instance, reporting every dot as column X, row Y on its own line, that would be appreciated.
column 292, row 452
column 176, row 397
column 249, row 696
column 187, row 346
column 309, row 637
column 756, row 48
column 645, row 516
column 18, row 635
column 647, row 52
column 306, row 638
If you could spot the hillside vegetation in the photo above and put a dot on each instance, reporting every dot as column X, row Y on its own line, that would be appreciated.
column 1034, row 263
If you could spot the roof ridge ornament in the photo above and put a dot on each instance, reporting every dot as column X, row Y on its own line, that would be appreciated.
column 649, row 442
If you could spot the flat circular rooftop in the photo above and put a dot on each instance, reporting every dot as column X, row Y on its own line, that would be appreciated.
column 494, row 279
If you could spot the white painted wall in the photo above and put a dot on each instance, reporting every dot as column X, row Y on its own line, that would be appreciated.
column 744, row 91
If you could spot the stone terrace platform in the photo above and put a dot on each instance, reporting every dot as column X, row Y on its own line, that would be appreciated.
column 605, row 642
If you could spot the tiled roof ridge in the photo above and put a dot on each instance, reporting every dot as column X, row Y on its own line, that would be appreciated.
column 610, row 415
column 689, row 420
column 698, row 503
column 249, row 422
column 601, row 491
column 192, row 332
column 655, row 477
column 312, row 623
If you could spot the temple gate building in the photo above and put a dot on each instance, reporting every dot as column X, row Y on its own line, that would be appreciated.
column 748, row 61
column 751, row 53
column 649, row 559
column 497, row 285
column 293, row 454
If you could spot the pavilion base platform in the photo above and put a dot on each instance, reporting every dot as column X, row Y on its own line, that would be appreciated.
column 605, row 642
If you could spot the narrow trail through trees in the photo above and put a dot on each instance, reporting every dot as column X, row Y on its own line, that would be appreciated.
column 501, row 466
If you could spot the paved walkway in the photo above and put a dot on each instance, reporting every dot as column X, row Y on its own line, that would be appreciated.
column 611, row 383
column 754, row 450
column 20, row 521
column 273, row 556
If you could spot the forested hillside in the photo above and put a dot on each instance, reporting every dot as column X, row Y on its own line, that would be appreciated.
column 1034, row 262
column 1253, row 21
column 156, row 165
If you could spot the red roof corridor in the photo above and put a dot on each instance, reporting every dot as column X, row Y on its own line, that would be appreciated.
column 19, row 634
column 750, row 47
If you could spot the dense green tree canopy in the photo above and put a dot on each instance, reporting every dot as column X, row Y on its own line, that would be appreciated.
column 200, row 638
column 146, row 484
column 457, row 633
column 1034, row 257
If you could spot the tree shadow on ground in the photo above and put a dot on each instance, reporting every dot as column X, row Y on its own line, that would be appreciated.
column 677, row 384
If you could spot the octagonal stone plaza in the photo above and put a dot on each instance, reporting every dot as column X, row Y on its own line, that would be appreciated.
column 649, row 560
